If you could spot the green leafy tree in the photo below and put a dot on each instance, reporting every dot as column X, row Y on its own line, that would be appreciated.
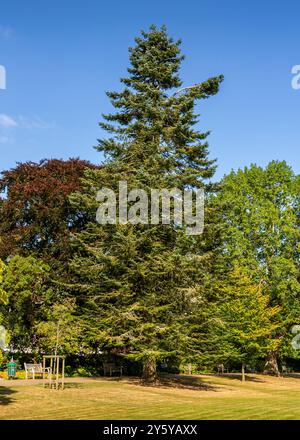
column 134, row 282
column 259, row 213
column 3, row 295
column 59, row 330
column 26, row 283
column 243, row 321
column 3, row 299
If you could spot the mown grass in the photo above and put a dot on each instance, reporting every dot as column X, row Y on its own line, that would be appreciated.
column 199, row 397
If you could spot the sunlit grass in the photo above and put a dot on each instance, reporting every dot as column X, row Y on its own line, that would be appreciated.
column 202, row 397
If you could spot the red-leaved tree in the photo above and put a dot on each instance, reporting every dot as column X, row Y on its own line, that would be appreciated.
column 36, row 216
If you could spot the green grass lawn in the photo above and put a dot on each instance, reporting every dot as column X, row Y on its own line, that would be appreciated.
column 199, row 397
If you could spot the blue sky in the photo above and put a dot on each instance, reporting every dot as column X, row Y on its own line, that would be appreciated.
column 61, row 57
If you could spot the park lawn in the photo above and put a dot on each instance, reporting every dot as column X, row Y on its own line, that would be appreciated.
column 199, row 397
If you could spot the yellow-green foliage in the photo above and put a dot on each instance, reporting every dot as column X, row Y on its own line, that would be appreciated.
column 247, row 320
column 3, row 299
column 3, row 295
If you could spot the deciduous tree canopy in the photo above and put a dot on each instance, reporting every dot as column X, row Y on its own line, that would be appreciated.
column 36, row 217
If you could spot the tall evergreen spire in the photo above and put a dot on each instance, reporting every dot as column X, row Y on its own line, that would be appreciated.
column 153, row 130
column 135, row 282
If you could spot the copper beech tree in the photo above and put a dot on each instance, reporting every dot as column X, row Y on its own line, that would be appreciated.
column 36, row 217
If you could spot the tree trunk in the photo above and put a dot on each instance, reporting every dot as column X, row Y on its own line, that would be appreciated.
column 149, row 371
column 243, row 373
column 271, row 365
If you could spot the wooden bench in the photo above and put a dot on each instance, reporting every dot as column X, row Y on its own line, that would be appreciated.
column 36, row 369
column 110, row 368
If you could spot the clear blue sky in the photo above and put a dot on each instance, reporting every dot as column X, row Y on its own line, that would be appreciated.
column 61, row 57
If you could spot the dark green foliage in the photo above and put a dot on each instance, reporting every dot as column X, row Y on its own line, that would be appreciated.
column 136, row 282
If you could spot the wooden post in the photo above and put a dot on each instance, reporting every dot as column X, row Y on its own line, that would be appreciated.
column 50, row 375
column 44, row 361
column 63, row 374
column 54, row 366
column 52, row 371
column 57, row 368
column 243, row 373
column 57, row 372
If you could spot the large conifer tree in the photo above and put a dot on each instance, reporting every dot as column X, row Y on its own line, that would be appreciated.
column 136, row 282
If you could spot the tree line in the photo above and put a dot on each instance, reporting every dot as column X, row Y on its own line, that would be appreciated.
column 152, row 293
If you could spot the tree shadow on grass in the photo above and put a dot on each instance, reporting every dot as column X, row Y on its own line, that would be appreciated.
column 186, row 382
column 171, row 381
column 5, row 395
column 238, row 376
column 73, row 385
